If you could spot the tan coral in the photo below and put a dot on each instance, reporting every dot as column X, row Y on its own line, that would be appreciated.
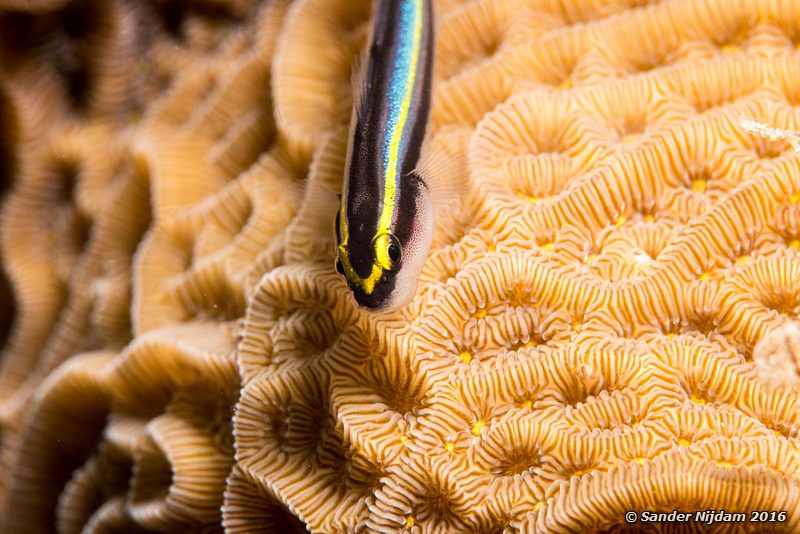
column 515, row 282
column 94, row 499
column 10, row 136
column 310, row 236
column 289, row 301
column 88, row 63
column 478, row 30
column 250, row 506
column 169, row 488
column 34, row 6
column 310, row 465
column 591, row 327
column 195, row 428
column 378, row 397
column 211, row 245
column 777, row 355
column 535, row 135
column 56, row 185
column 422, row 495
column 77, row 393
column 686, row 484
column 312, row 97
column 107, row 471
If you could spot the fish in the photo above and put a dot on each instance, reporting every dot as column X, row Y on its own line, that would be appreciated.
column 385, row 221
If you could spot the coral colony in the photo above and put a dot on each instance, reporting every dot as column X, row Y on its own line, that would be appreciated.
column 604, row 332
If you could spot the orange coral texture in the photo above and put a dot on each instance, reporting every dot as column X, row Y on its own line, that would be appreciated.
column 178, row 353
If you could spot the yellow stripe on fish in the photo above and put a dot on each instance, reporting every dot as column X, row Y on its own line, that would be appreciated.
column 385, row 219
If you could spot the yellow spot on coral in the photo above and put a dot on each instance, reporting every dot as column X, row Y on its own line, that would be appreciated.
column 409, row 522
column 547, row 247
column 449, row 446
column 698, row 400
column 538, row 506
column 620, row 220
column 590, row 258
column 742, row 260
column 576, row 325
column 699, row 185
column 729, row 49
column 794, row 199
column 526, row 404
column 726, row 465
column 649, row 218
column 531, row 344
column 403, row 439
column 639, row 459
column 480, row 313
column 794, row 243
column 565, row 84
column 705, row 276
column 670, row 336
column 466, row 356
column 684, row 442
column 477, row 427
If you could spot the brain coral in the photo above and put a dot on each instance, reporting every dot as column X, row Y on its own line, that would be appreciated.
column 607, row 321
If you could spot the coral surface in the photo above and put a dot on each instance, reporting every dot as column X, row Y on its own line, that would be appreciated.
column 179, row 354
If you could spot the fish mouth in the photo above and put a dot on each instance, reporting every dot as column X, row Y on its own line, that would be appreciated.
column 386, row 299
column 372, row 303
column 380, row 300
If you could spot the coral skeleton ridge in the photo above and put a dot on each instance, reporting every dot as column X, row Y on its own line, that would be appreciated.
column 607, row 320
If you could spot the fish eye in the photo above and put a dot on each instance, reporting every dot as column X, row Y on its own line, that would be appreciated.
column 387, row 251
column 339, row 267
column 394, row 252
